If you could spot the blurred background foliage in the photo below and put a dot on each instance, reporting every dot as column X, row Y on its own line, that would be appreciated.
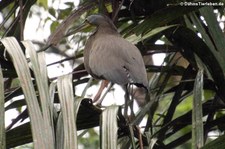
column 187, row 90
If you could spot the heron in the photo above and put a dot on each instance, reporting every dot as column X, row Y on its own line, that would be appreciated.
column 111, row 58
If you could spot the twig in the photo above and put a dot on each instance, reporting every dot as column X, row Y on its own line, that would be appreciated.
column 21, row 19
column 117, row 11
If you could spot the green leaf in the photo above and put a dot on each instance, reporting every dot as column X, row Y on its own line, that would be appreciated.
column 216, row 34
column 19, row 135
column 197, row 124
column 216, row 43
column 16, row 104
column 123, row 142
column 43, row 3
column 2, row 112
column 135, row 39
column 219, row 143
column 59, row 32
column 191, row 43
column 214, row 29
column 52, row 12
column 162, row 17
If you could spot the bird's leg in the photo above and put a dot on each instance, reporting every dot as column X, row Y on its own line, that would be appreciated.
column 126, row 96
column 132, row 115
column 129, row 100
column 140, row 137
column 99, row 102
column 104, row 83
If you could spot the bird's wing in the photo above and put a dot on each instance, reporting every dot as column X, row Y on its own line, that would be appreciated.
column 117, row 60
column 87, row 50
column 105, row 63
column 134, row 63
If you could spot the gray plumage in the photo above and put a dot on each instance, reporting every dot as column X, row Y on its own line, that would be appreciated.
column 109, row 56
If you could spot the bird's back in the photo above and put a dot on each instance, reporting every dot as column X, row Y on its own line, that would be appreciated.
column 109, row 56
column 117, row 60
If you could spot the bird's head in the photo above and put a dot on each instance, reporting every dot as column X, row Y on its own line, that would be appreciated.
column 96, row 19
column 100, row 20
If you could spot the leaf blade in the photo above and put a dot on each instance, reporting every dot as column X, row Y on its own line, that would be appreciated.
column 2, row 112
column 197, row 124
column 22, row 69
column 109, row 128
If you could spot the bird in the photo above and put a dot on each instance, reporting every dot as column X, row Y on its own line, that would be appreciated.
column 110, row 57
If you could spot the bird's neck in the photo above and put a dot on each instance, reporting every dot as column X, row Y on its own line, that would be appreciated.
column 107, row 30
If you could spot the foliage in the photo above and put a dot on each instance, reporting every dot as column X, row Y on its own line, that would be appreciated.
column 187, row 97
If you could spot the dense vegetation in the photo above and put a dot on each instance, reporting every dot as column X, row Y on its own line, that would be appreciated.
column 187, row 91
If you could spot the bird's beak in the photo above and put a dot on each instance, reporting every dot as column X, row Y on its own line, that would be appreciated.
column 86, row 24
column 83, row 26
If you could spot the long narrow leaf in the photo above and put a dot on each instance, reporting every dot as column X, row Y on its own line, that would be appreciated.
column 197, row 124
column 60, row 31
column 142, row 113
column 52, row 90
column 40, row 71
column 66, row 98
column 149, row 34
column 22, row 69
column 2, row 112
column 214, row 29
column 59, row 132
column 210, row 41
column 19, row 135
column 219, row 143
column 109, row 128
column 201, row 30
column 77, row 106
column 162, row 17
column 60, row 125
